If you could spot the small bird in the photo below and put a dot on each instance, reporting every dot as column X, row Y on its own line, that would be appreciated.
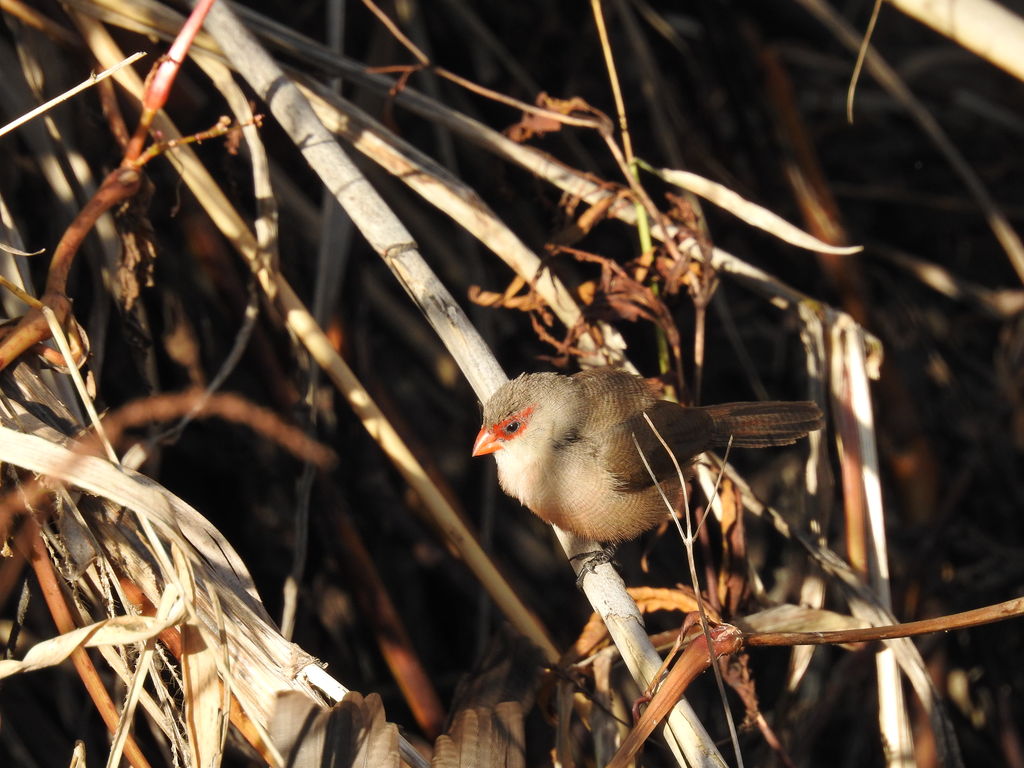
column 565, row 446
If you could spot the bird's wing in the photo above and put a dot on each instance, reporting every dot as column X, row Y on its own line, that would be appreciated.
column 688, row 431
column 759, row 425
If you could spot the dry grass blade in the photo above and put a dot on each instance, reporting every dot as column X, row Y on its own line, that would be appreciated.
column 121, row 630
column 865, row 514
column 1003, row 303
column 263, row 660
column 797, row 618
column 143, row 669
column 811, row 627
column 751, row 213
column 203, row 660
column 93, row 80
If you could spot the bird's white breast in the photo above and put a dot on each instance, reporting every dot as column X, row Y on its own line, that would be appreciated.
column 519, row 474
column 566, row 490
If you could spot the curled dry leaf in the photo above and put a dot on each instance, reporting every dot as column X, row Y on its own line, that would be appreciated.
column 751, row 213
column 620, row 297
column 11, row 249
column 122, row 630
column 510, row 298
column 535, row 124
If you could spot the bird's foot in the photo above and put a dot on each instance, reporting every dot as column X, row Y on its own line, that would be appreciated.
column 590, row 560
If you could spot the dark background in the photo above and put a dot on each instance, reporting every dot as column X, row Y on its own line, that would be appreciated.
column 949, row 407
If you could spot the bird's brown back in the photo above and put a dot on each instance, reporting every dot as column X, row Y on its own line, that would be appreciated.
column 688, row 432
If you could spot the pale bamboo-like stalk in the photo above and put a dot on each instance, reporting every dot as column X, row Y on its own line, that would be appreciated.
column 851, row 394
column 461, row 202
column 817, row 477
column 984, row 27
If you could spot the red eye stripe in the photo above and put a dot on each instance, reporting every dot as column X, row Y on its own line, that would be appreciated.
column 522, row 418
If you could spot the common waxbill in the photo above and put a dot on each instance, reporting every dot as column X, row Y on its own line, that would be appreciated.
column 564, row 445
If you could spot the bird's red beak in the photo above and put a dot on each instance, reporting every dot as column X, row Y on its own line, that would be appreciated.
column 486, row 443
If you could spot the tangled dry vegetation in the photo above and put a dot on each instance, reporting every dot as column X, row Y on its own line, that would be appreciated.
column 256, row 299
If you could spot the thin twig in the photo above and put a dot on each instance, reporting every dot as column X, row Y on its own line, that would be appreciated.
column 93, row 80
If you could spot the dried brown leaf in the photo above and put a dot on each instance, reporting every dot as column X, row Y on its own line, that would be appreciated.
column 353, row 733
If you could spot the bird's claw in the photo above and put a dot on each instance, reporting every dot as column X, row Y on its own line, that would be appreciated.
column 590, row 561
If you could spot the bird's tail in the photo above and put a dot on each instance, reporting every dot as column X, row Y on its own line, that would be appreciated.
column 759, row 425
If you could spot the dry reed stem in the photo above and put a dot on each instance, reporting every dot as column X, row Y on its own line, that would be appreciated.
column 39, row 557
column 304, row 326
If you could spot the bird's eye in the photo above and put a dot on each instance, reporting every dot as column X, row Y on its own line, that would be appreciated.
column 512, row 427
